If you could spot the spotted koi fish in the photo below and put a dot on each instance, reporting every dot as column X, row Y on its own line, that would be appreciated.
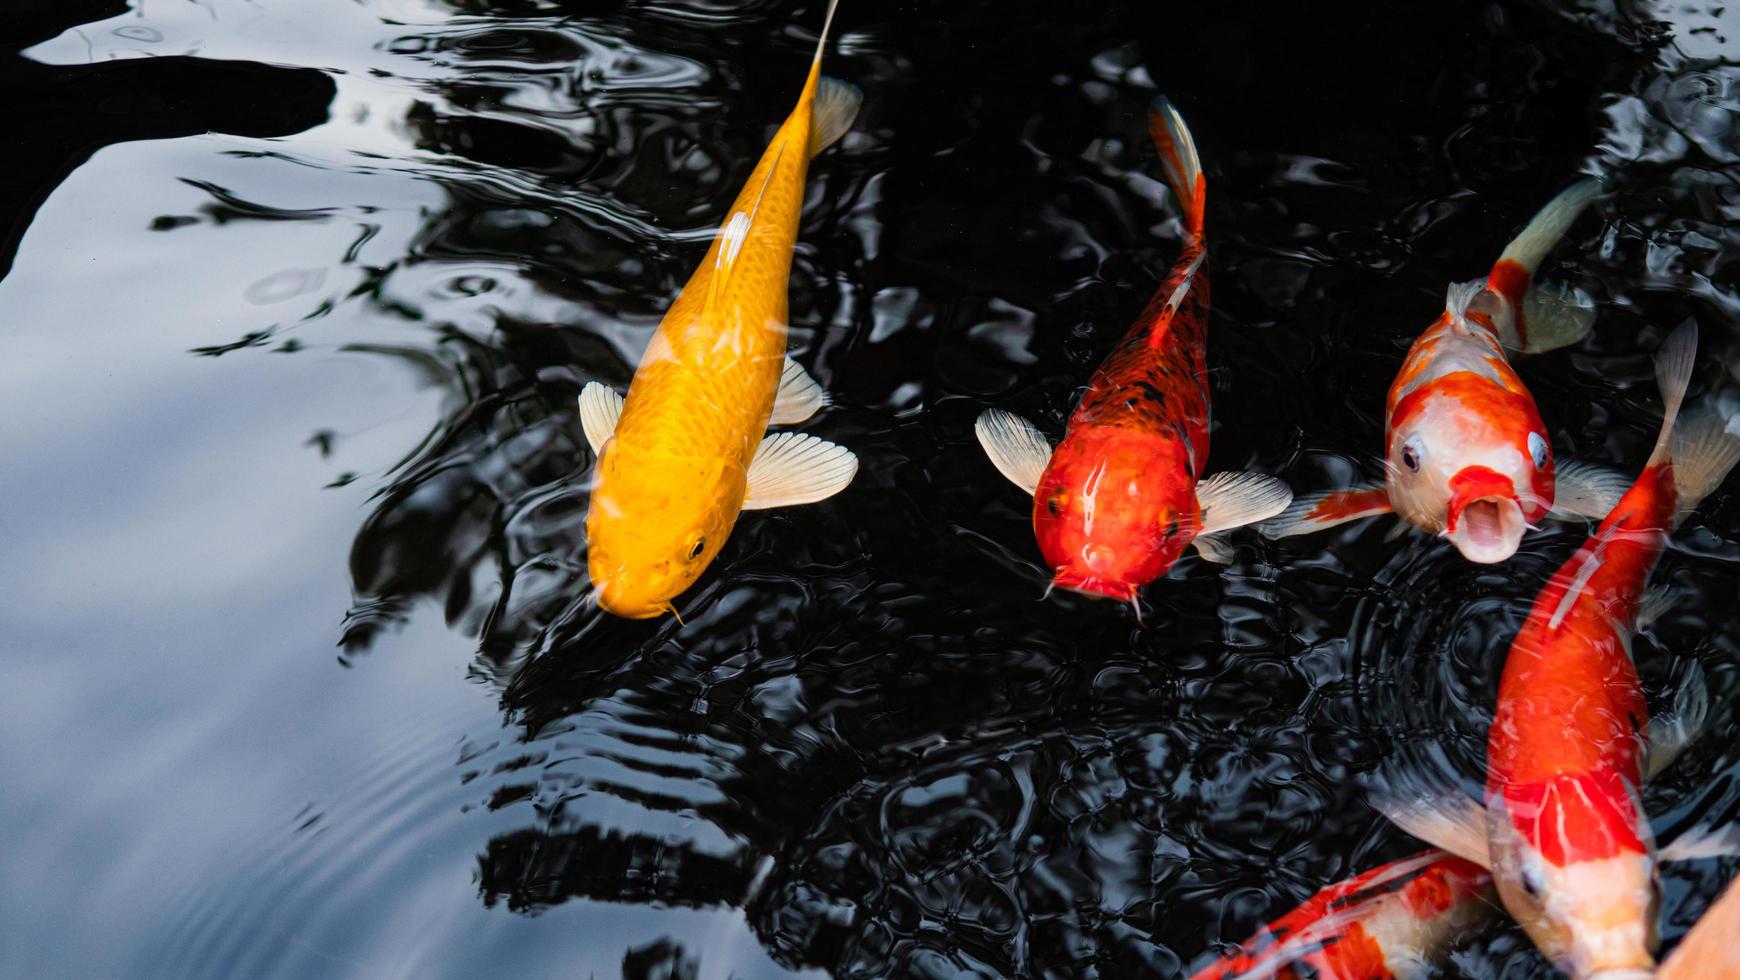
column 1121, row 497
column 1466, row 456
column 688, row 450
column 1563, row 827
column 1393, row 921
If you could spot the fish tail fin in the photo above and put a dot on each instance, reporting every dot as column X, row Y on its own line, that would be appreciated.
column 1673, row 374
column 822, row 39
column 1178, row 158
column 1708, row 951
column 1547, row 316
column 832, row 113
column 1549, row 225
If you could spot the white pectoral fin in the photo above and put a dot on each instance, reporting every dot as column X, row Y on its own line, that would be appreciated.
column 1426, row 802
column 1556, row 316
column 1230, row 500
column 798, row 398
column 792, row 468
column 1016, row 448
column 600, row 407
column 1585, row 490
column 833, row 111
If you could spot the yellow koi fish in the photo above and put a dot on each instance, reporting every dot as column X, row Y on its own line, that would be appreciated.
column 688, row 449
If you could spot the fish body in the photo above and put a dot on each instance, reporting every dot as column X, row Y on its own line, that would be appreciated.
column 1466, row 455
column 1393, row 921
column 677, row 457
column 1119, row 499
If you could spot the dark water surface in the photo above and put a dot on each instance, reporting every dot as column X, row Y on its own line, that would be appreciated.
column 296, row 682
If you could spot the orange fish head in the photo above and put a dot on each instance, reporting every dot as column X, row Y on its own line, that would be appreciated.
column 655, row 523
column 1484, row 516
column 1114, row 510
column 1573, row 871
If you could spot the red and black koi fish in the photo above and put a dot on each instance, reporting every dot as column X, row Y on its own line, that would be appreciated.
column 1117, row 502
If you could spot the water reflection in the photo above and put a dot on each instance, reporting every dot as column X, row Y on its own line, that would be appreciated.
column 870, row 737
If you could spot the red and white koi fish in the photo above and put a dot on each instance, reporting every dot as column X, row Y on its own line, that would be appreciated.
column 1465, row 454
column 1571, row 743
column 1115, row 505
column 1393, row 921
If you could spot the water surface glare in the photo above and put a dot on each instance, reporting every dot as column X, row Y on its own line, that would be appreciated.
column 297, row 298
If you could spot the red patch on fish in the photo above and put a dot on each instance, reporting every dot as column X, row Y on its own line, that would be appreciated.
column 1586, row 816
column 1346, row 504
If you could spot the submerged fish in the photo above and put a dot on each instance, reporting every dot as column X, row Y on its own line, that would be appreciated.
column 1564, row 830
column 1465, row 454
column 1115, row 505
column 1392, row 921
column 688, row 450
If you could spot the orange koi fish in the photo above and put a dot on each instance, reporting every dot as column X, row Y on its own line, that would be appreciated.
column 1393, row 921
column 1465, row 454
column 1564, row 830
column 1115, row 505
column 688, row 450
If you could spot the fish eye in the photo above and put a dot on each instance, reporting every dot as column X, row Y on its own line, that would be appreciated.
column 1054, row 504
column 1531, row 883
column 699, row 546
column 1538, row 449
column 1171, row 529
column 1411, row 452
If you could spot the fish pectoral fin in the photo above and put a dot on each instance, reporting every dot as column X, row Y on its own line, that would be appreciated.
column 1319, row 511
column 792, row 468
column 1671, row 732
column 833, row 112
column 1213, row 547
column 1427, row 803
column 1702, row 841
column 1586, row 490
column 1555, row 316
column 1234, row 499
column 798, row 398
column 600, row 408
column 1016, row 448
column 1399, row 531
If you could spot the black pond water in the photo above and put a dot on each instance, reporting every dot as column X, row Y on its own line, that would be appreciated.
column 299, row 297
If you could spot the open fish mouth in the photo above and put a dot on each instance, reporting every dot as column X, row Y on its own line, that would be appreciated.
column 1487, row 529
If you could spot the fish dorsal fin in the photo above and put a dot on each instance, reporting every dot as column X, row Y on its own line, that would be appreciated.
column 735, row 234
column 1230, row 500
column 1016, row 448
column 600, row 409
column 792, row 468
column 1174, row 301
column 798, row 398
